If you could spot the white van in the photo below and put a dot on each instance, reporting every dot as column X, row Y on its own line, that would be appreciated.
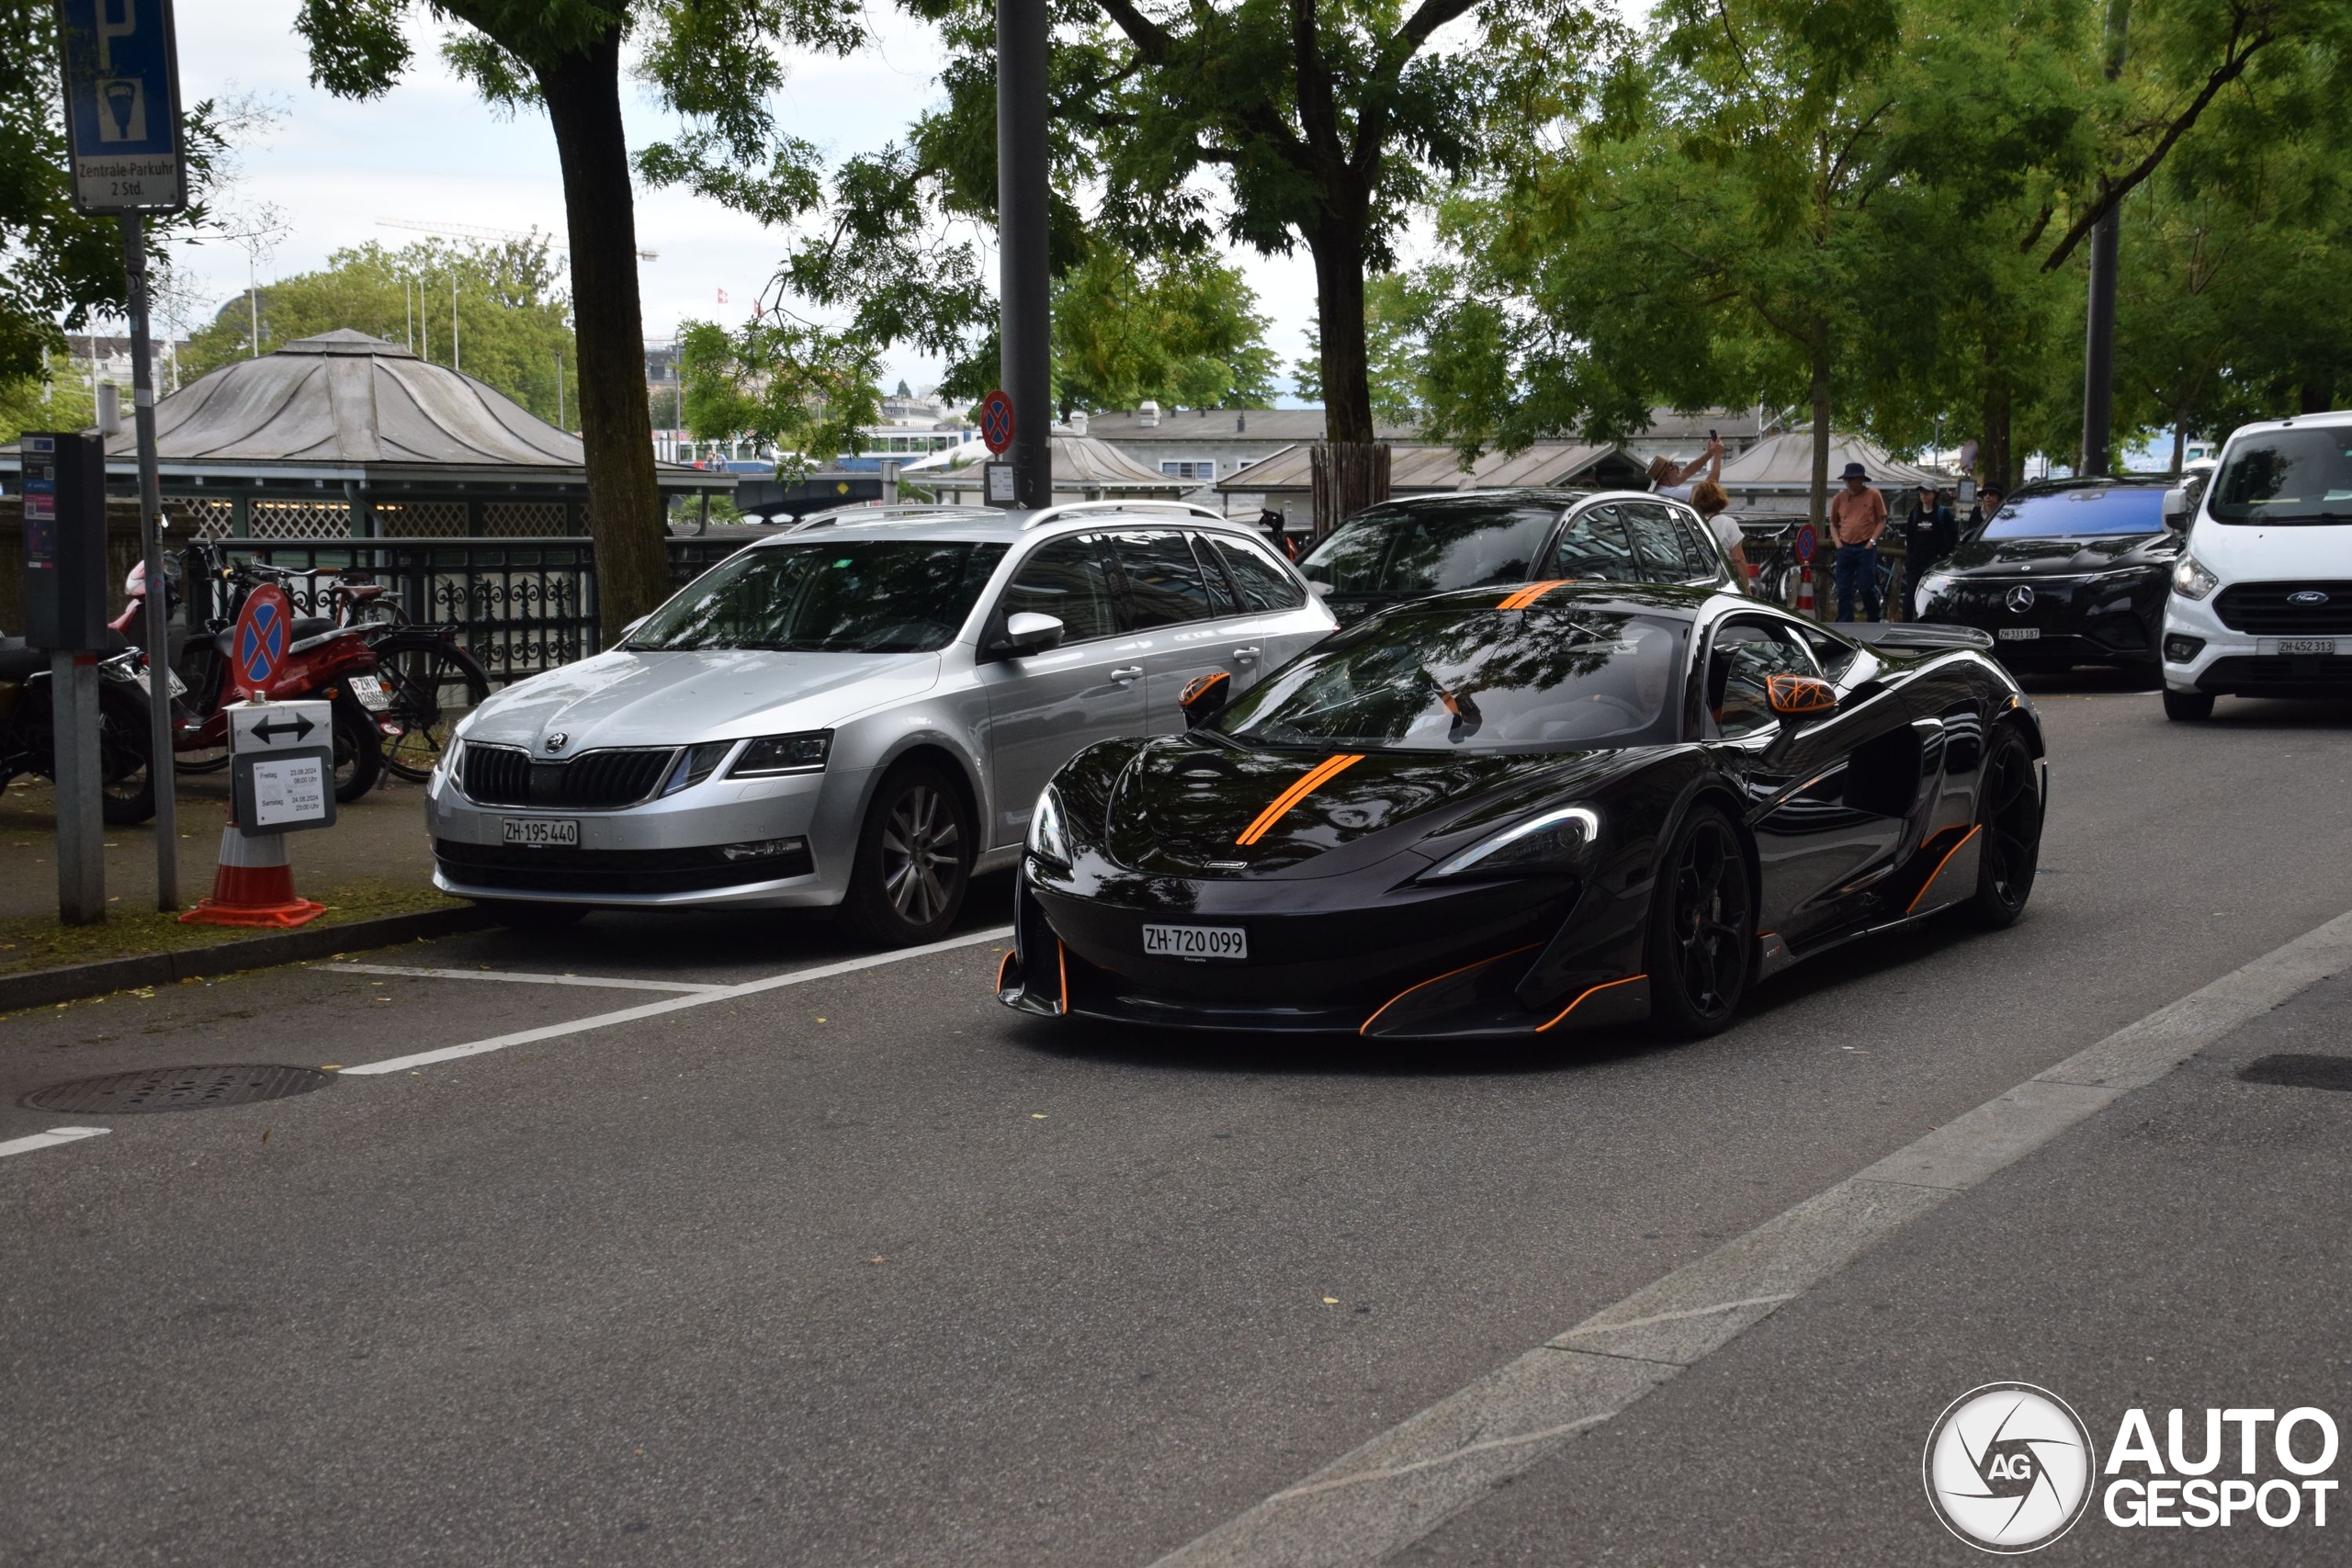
column 2261, row 601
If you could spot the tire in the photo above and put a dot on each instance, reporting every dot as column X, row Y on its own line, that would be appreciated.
column 1702, row 928
column 914, row 860
column 359, row 749
column 126, row 752
column 2008, row 815
column 2187, row 707
column 518, row 915
column 432, row 684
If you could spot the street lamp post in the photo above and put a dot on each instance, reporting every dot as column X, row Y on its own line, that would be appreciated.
column 1025, row 329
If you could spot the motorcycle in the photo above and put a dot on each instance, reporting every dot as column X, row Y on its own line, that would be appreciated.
column 322, row 662
column 28, row 727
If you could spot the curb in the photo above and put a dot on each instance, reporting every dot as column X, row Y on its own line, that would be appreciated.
column 73, row 982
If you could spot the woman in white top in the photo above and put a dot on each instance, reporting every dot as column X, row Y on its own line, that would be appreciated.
column 1707, row 498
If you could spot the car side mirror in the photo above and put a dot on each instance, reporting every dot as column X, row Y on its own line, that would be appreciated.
column 1800, row 697
column 1204, row 696
column 1026, row 632
column 2176, row 508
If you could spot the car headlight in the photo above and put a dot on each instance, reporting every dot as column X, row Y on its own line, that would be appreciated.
column 447, row 768
column 772, row 755
column 694, row 764
column 1552, row 840
column 1046, row 836
column 1935, row 583
column 2191, row 580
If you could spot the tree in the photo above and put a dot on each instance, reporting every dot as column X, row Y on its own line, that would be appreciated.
column 1183, row 332
column 58, row 268
column 1395, row 314
column 714, row 62
column 779, row 381
column 59, row 399
column 513, row 321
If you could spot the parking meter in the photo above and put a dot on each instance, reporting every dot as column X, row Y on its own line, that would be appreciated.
column 66, row 542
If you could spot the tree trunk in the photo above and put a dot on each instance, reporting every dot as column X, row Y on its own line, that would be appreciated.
column 583, row 101
column 2179, row 440
column 1346, row 477
column 1338, row 247
column 1820, row 346
column 1993, row 444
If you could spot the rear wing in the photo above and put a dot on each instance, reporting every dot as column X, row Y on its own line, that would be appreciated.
column 1904, row 637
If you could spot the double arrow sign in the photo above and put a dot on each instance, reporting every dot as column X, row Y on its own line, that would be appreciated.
column 278, row 727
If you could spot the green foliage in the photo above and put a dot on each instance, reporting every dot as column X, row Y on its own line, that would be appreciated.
column 58, row 268
column 514, row 318
column 1184, row 332
column 780, row 381
column 60, row 399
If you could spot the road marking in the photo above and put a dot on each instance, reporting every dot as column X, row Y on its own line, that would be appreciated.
column 51, row 1139
column 674, row 1004
column 1406, row 1482
column 598, row 980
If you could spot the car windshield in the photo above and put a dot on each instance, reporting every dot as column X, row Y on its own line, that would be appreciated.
column 2286, row 476
column 2077, row 513
column 1489, row 681
column 838, row 596
column 1430, row 549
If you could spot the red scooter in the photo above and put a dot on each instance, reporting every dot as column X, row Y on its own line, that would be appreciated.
column 323, row 661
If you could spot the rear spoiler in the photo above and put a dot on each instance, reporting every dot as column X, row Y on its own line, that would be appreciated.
column 1902, row 636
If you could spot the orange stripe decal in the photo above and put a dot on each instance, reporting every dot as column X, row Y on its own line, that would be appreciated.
column 1315, row 777
column 1061, row 956
column 1521, row 598
column 1580, row 1001
column 1435, row 978
column 1002, row 965
column 1939, row 867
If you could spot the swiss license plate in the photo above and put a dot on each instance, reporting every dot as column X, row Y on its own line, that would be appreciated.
column 1196, row 942
column 2303, row 644
column 2019, row 634
column 369, row 689
column 540, row 832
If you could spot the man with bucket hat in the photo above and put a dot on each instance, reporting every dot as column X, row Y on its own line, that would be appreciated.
column 1857, row 517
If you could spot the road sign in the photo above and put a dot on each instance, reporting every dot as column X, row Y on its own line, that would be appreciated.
column 996, row 421
column 257, row 646
column 279, row 727
column 122, row 104
column 1805, row 544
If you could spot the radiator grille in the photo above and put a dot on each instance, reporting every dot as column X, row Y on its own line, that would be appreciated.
column 504, row 775
column 2265, row 608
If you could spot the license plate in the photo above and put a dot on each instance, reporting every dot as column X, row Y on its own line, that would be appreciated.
column 1196, row 942
column 2019, row 634
column 540, row 832
column 369, row 689
column 2304, row 645
column 179, row 687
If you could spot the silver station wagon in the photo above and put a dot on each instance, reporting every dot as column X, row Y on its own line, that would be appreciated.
column 860, row 713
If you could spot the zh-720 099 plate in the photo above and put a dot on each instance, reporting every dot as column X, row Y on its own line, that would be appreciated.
column 1196, row 942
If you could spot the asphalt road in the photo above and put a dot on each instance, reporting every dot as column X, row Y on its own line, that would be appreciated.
column 866, row 1269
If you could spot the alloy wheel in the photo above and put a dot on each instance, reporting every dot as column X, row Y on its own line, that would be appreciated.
column 923, row 857
column 1710, row 917
column 2012, row 825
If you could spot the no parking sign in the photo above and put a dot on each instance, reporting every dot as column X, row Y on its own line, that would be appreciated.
column 1805, row 544
column 258, row 643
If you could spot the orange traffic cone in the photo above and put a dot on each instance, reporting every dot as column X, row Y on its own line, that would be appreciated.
column 253, row 886
column 1805, row 591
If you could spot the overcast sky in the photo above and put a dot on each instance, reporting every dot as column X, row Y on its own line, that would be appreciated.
column 430, row 152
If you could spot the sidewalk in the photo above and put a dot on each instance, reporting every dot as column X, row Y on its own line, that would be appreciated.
column 375, row 860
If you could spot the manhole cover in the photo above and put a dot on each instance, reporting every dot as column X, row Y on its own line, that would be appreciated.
column 2299, row 1072
column 175, row 1088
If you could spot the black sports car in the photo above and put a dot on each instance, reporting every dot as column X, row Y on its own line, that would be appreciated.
column 1498, row 814
column 2070, row 571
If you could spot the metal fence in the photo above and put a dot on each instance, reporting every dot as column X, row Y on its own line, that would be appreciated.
column 521, row 605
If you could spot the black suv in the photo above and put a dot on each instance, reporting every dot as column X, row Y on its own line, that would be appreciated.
column 1432, row 544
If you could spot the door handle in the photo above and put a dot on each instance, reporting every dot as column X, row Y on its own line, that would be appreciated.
column 1125, row 675
column 1245, row 656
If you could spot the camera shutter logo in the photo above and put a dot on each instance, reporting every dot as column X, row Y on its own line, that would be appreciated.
column 2009, row 1467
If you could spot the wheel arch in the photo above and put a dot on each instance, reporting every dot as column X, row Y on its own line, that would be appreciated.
column 933, row 750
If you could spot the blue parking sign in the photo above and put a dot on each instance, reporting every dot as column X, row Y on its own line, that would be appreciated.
column 122, row 104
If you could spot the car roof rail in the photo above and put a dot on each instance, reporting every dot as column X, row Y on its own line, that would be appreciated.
column 1087, row 508
column 862, row 513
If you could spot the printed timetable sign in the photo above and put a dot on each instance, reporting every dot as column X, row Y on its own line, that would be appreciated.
column 122, row 104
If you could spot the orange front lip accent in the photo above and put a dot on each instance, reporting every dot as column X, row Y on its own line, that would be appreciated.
column 1433, row 979
column 1315, row 777
column 1522, row 598
column 1573, row 1006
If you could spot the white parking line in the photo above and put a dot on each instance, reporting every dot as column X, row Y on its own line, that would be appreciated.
column 51, row 1139
column 675, row 1004
column 1403, row 1484
column 606, row 982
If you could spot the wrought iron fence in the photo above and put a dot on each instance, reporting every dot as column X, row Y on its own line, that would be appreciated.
column 521, row 605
